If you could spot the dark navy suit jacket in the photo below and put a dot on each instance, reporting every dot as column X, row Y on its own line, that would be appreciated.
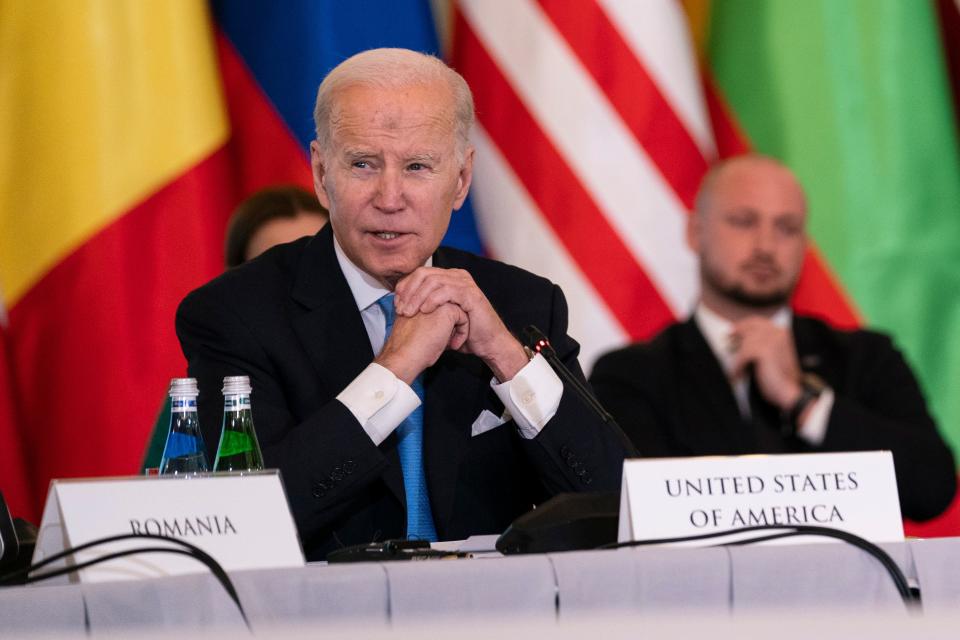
column 672, row 398
column 289, row 321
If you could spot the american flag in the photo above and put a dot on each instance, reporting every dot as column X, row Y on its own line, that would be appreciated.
column 596, row 125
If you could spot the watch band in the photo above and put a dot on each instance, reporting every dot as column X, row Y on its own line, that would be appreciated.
column 811, row 386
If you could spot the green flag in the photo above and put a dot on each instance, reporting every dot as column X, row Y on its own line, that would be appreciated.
column 853, row 95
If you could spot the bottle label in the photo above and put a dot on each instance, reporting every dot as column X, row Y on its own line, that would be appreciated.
column 183, row 405
column 236, row 403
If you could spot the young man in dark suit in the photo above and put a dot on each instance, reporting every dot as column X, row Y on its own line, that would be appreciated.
column 388, row 385
column 745, row 375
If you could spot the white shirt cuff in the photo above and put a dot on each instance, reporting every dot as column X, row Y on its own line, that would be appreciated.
column 531, row 397
column 379, row 401
column 814, row 428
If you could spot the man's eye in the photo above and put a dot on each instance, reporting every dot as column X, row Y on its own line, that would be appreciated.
column 416, row 166
column 790, row 228
column 360, row 164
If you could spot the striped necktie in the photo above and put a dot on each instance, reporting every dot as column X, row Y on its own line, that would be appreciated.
column 410, row 447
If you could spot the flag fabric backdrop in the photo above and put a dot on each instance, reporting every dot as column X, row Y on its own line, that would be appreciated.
column 13, row 473
column 131, row 130
column 113, row 191
column 855, row 97
column 598, row 118
column 594, row 131
column 136, row 127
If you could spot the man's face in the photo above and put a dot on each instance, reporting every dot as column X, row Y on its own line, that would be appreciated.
column 391, row 177
column 751, row 237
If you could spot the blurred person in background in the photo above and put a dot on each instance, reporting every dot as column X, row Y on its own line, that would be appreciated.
column 270, row 217
column 745, row 375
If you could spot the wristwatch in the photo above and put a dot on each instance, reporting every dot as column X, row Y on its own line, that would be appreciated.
column 811, row 386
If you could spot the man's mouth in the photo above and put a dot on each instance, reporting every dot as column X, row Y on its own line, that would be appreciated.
column 762, row 269
column 387, row 235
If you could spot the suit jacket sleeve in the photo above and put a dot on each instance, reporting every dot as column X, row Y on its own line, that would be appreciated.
column 883, row 408
column 325, row 460
column 576, row 450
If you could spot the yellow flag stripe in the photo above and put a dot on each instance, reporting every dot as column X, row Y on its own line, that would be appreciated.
column 101, row 103
column 698, row 17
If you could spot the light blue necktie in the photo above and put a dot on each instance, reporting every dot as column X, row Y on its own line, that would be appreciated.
column 410, row 447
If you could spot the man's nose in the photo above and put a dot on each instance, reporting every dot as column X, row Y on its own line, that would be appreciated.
column 389, row 196
column 765, row 238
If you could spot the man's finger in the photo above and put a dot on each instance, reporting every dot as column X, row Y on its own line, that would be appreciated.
column 415, row 288
column 430, row 288
column 407, row 288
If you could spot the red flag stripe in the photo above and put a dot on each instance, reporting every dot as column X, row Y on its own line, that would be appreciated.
column 819, row 294
column 262, row 148
column 632, row 92
column 586, row 234
column 510, row 218
column 13, row 469
column 104, row 314
column 730, row 138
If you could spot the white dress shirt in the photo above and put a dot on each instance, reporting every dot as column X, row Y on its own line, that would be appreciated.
column 380, row 401
column 717, row 331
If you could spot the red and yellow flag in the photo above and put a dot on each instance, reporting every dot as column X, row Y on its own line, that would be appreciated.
column 114, row 190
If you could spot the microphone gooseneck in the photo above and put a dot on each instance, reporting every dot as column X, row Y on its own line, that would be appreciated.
column 536, row 341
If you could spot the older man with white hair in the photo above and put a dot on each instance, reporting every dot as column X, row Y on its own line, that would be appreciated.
column 388, row 383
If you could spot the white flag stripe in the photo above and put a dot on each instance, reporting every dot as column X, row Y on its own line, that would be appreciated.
column 594, row 141
column 658, row 33
column 514, row 231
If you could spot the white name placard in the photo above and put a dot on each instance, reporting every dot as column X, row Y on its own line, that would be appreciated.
column 678, row 497
column 242, row 520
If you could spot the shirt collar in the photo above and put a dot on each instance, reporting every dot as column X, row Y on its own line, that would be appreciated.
column 365, row 288
column 716, row 330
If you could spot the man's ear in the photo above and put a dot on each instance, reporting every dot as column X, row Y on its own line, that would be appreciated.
column 319, row 170
column 464, row 178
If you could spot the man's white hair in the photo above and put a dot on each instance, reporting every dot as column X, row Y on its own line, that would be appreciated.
column 393, row 69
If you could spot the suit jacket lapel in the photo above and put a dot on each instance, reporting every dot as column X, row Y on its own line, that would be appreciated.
column 815, row 350
column 712, row 421
column 332, row 332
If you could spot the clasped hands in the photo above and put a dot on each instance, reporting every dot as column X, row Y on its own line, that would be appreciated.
column 440, row 309
column 758, row 343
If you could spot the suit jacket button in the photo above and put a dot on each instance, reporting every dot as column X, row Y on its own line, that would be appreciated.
column 349, row 467
column 586, row 479
column 337, row 474
column 564, row 451
column 581, row 471
column 319, row 490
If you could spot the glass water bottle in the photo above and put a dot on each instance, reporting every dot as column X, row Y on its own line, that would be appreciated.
column 184, row 451
column 239, row 449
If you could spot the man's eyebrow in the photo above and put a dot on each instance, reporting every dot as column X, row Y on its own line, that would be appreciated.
column 358, row 152
column 737, row 211
column 427, row 157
